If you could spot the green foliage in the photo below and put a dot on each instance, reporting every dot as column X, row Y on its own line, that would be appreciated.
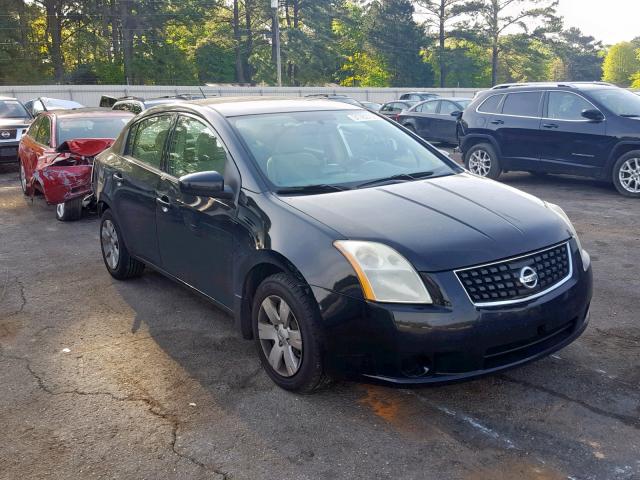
column 621, row 64
column 466, row 43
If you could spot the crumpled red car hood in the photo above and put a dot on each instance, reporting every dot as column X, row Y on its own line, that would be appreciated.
column 86, row 147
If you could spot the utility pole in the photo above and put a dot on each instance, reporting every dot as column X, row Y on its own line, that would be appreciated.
column 276, row 27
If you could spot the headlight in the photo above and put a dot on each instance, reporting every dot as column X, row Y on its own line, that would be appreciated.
column 385, row 275
column 586, row 259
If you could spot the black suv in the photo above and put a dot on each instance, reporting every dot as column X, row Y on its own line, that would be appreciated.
column 588, row 129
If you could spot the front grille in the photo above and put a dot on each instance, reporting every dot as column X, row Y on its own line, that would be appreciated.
column 8, row 134
column 500, row 282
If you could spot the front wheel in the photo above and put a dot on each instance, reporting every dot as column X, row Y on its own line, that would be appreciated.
column 120, row 264
column 23, row 180
column 482, row 160
column 69, row 211
column 287, row 334
column 626, row 174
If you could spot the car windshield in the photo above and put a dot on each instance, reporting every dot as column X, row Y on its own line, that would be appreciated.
column 58, row 104
column 83, row 127
column 343, row 148
column 12, row 109
column 619, row 101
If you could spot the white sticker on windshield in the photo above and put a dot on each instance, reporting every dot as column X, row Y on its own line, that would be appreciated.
column 363, row 117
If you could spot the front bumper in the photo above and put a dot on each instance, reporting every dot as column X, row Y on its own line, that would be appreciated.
column 9, row 151
column 409, row 345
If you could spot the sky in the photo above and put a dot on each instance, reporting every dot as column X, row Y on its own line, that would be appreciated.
column 610, row 21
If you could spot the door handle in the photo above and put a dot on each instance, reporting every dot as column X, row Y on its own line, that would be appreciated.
column 117, row 177
column 549, row 125
column 497, row 122
column 164, row 202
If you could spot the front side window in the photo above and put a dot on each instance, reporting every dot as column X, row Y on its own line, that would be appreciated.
column 195, row 147
column 342, row 149
column 33, row 129
column 619, row 101
column 90, row 127
column 491, row 104
column 566, row 106
column 386, row 108
column 151, row 135
column 526, row 104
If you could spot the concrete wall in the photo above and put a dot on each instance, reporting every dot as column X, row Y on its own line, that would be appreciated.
column 89, row 95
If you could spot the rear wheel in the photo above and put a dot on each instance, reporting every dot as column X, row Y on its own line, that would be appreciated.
column 69, row 211
column 115, row 254
column 482, row 160
column 23, row 180
column 626, row 174
column 287, row 334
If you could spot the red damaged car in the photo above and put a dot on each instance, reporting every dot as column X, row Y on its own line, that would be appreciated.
column 56, row 154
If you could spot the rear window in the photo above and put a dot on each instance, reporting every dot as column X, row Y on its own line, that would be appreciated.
column 526, row 104
column 81, row 127
column 490, row 105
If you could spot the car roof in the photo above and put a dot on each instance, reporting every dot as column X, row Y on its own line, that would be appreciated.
column 237, row 106
column 90, row 112
column 558, row 85
column 451, row 99
column 8, row 98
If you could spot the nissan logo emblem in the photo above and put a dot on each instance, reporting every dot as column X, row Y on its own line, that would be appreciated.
column 528, row 277
column 5, row 134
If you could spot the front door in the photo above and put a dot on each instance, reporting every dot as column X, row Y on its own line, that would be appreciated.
column 447, row 125
column 571, row 143
column 426, row 116
column 195, row 234
column 136, row 184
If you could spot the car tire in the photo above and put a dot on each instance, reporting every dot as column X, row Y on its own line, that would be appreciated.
column 482, row 160
column 120, row 264
column 69, row 211
column 23, row 179
column 626, row 174
column 289, row 348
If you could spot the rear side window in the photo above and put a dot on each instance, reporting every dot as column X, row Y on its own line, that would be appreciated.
column 566, row 106
column 447, row 108
column 428, row 107
column 133, row 107
column 151, row 135
column 491, row 104
column 526, row 104
column 44, row 131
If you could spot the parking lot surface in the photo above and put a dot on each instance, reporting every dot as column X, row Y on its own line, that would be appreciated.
column 144, row 379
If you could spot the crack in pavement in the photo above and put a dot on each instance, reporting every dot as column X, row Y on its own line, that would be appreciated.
column 627, row 420
column 153, row 407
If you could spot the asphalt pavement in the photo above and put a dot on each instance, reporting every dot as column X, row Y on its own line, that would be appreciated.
column 146, row 380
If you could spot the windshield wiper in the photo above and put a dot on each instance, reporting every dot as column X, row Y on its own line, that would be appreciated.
column 399, row 177
column 630, row 115
column 311, row 189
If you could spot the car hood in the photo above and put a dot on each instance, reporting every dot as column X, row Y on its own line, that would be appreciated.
column 14, row 122
column 442, row 223
column 86, row 147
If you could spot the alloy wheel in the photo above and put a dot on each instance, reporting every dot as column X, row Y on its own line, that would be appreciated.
column 110, row 244
column 280, row 336
column 480, row 163
column 23, row 178
column 629, row 175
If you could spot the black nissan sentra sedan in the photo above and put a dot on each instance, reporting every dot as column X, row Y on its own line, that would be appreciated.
column 343, row 244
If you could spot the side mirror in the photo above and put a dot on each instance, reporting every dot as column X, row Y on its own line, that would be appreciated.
column 205, row 184
column 593, row 114
column 457, row 114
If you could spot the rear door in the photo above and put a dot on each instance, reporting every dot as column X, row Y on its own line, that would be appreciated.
column 518, row 129
column 136, row 185
column 426, row 118
column 195, row 234
column 569, row 142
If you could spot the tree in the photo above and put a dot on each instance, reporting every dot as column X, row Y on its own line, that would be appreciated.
column 492, row 18
column 441, row 12
column 581, row 56
column 620, row 64
column 393, row 33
